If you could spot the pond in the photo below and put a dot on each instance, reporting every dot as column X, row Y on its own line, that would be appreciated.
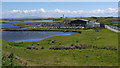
column 113, row 26
column 7, row 25
column 30, row 21
column 28, row 36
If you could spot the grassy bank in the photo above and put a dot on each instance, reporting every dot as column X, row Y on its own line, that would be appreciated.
column 76, row 57
column 46, row 29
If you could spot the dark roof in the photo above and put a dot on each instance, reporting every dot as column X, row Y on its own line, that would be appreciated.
column 80, row 19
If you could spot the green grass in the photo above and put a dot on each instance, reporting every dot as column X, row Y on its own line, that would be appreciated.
column 77, row 57
column 0, row 52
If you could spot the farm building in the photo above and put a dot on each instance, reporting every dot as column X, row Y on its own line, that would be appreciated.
column 86, row 23
column 76, row 23
column 79, row 22
column 94, row 24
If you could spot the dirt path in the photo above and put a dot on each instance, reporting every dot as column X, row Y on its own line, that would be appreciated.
column 108, row 27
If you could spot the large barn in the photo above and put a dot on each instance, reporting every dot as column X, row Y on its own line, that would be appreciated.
column 79, row 22
column 86, row 23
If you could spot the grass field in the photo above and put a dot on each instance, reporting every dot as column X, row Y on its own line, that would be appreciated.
column 76, row 57
column 0, row 52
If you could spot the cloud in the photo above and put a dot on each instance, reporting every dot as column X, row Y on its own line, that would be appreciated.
column 58, row 13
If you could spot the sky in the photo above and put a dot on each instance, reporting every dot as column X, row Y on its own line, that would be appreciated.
column 60, row 0
column 57, row 9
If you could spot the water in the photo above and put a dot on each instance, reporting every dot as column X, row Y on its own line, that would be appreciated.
column 24, row 28
column 113, row 26
column 30, row 21
column 28, row 36
column 7, row 25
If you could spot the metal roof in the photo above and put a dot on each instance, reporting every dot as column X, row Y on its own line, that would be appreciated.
column 80, row 19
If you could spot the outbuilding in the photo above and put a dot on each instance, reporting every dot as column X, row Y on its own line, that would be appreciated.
column 79, row 22
column 94, row 24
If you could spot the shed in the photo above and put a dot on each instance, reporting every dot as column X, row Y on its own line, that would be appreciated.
column 93, row 24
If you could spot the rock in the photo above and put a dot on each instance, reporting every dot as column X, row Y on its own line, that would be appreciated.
column 77, row 41
column 36, row 48
column 72, row 44
column 78, row 46
column 95, row 47
column 86, row 56
column 114, row 48
column 42, row 47
column 38, row 44
column 30, row 47
column 32, row 43
column 59, row 43
column 72, row 47
column 53, row 41
column 67, row 47
column 108, row 47
column 26, row 63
